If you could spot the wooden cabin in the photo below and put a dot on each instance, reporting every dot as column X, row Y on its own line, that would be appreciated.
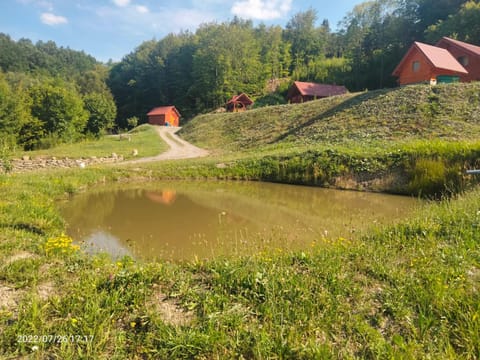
column 300, row 91
column 239, row 103
column 428, row 64
column 164, row 116
column 467, row 55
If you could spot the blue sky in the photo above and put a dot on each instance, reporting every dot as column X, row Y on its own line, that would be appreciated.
column 110, row 29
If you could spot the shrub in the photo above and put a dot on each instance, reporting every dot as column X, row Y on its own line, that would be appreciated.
column 132, row 122
column 270, row 99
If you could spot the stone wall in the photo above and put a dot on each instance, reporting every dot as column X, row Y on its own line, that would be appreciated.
column 30, row 164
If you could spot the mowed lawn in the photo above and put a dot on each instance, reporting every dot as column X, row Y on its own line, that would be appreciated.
column 144, row 139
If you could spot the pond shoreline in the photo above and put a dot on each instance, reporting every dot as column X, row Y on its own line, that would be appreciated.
column 225, row 217
column 417, row 279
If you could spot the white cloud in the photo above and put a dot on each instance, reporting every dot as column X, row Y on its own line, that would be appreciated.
column 261, row 9
column 121, row 3
column 52, row 19
column 142, row 9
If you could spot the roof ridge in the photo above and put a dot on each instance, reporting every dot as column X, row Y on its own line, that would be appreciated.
column 464, row 45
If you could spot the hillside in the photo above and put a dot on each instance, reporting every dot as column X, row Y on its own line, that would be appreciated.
column 448, row 112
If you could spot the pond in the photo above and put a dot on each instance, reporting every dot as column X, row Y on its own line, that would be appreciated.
column 186, row 220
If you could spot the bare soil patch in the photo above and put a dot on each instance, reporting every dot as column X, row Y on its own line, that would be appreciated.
column 169, row 310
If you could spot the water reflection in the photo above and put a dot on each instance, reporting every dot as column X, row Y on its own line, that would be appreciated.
column 166, row 197
column 186, row 219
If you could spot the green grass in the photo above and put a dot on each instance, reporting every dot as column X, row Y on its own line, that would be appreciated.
column 144, row 139
column 367, row 120
column 408, row 291
column 410, row 140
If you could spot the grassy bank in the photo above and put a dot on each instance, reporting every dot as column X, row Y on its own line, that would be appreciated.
column 430, row 169
column 143, row 138
column 411, row 140
column 409, row 291
column 368, row 120
column 416, row 140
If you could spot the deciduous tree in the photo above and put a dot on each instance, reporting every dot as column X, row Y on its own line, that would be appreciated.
column 101, row 113
column 60, row 110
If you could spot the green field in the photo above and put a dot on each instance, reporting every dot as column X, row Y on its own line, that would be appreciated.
column 409, row 291
column 144, row 138
column 410, row 140
column 366, row 120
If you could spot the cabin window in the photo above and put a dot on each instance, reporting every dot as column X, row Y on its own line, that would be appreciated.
column 463, row 60
column 416, row 66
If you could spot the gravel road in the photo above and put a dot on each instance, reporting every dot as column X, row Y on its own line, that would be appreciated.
column 179, row 148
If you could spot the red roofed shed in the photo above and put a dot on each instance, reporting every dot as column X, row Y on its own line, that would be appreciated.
column 239, row 103
column 424, row 62
column 305, row 91
column 164, row 115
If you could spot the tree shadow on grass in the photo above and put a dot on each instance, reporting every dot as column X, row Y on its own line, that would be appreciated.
column 24, row 227
column 344, row 105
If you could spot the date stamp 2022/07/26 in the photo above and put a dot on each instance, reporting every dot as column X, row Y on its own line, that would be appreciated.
column 55, row 339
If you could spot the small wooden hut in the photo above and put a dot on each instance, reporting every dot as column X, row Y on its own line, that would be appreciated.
column 164, row 116
column 239, row 103
column 300, row 91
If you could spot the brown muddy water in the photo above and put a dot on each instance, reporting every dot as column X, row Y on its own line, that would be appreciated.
column 188, row 220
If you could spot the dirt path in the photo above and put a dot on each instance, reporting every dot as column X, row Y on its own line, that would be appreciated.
column 179, row 148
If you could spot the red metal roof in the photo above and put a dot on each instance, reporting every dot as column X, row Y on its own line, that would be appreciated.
column 320, row 90
column 438, row 58
column 441, row 58
column 242, row 98
column 162, row 110
column 469, row 47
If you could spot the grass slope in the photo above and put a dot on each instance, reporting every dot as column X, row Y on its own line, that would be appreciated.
column 404, row 292
column 410, row 140
column 409, row 291
column 449, row 112
column 143, row 138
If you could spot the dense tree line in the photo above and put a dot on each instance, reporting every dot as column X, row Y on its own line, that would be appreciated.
column 50, row 95
column 200, row 71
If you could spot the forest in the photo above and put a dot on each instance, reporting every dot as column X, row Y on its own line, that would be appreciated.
column 201, row 71
column 50, row 94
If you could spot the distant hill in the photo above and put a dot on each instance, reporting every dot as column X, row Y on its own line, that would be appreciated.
column 43, row 57
column 449, row 112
